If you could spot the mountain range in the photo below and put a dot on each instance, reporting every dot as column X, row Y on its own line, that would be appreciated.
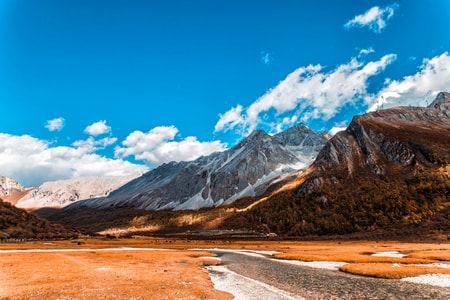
column 61, row 193
column 246, row 169
column 388, row 168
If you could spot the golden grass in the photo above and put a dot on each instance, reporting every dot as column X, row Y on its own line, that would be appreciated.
column 391, row 271
column 360, row 261
column 354, row 258
column 358, row 254
column 441, row 255
column 169, row 274
column 299, row 180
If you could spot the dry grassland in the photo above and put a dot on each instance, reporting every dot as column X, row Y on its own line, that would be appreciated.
column 393, row 271
column 96, row 274
column 177, row 274
column 360, row 261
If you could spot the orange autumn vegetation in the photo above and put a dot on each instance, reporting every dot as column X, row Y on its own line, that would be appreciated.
column 168, row 274
column 360, row 261
column 391, row 271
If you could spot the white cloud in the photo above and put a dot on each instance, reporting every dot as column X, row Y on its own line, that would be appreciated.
column 306, row 94
column 91, row 145
column 364, row 52
column 32, row 161
column 97, row 128
column 158, row 146
column 55, row 124
column 266, row 58
column 433, row 77
column 230, row 119
column 375, row 18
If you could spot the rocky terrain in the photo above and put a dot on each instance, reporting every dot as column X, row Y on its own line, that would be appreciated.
column 390, row 167
column 9, row 186
column 11, row 191
column 379, row 142
column 247, row 169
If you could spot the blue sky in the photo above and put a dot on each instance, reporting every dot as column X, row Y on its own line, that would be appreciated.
column 112, row 87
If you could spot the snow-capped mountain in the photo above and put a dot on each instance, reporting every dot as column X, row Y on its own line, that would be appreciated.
column 64, row 192
column 220, row 178
column 9, row 186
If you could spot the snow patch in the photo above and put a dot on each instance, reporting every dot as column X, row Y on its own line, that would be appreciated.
column 254, row 253
column 432, row 279
column 211, row 257
column 328, row 265
column 389, row 254
column 244, row 287
column 195, row 202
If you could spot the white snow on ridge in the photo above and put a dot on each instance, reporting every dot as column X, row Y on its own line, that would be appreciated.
column 64, row 192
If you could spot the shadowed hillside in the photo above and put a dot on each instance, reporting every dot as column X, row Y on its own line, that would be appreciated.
column 15, row 222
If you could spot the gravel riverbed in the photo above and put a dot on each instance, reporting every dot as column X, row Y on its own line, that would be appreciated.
column 303, row 282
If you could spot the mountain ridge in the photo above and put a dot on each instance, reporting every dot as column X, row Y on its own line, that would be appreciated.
column 388, row 167
column 220, row 178
column 61, row 193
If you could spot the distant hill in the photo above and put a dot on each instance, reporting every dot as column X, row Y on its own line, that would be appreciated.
column 390, row 167
column 10, row 190
column 60, row 193
column 16, row 222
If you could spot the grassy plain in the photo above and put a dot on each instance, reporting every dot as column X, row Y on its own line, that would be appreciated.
column 175, row 271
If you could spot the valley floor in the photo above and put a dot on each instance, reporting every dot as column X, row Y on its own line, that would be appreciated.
column 184, row 269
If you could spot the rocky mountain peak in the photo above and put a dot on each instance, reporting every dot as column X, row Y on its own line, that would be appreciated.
column 9, row 186
column 220, row 178
column 441, row 102
column 374, row 142
column 255, row 138
column 64, row 192
column 300, row 135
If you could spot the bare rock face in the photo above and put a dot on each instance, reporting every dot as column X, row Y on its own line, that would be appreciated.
column 9, row 186
column 407, row 136
column 222, row 177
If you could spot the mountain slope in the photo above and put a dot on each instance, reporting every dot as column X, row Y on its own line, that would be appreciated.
column 10, row 190
column 64, row 192
column 388, row 167
column 9, row 186
column 16, row 222
column 220, row 178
